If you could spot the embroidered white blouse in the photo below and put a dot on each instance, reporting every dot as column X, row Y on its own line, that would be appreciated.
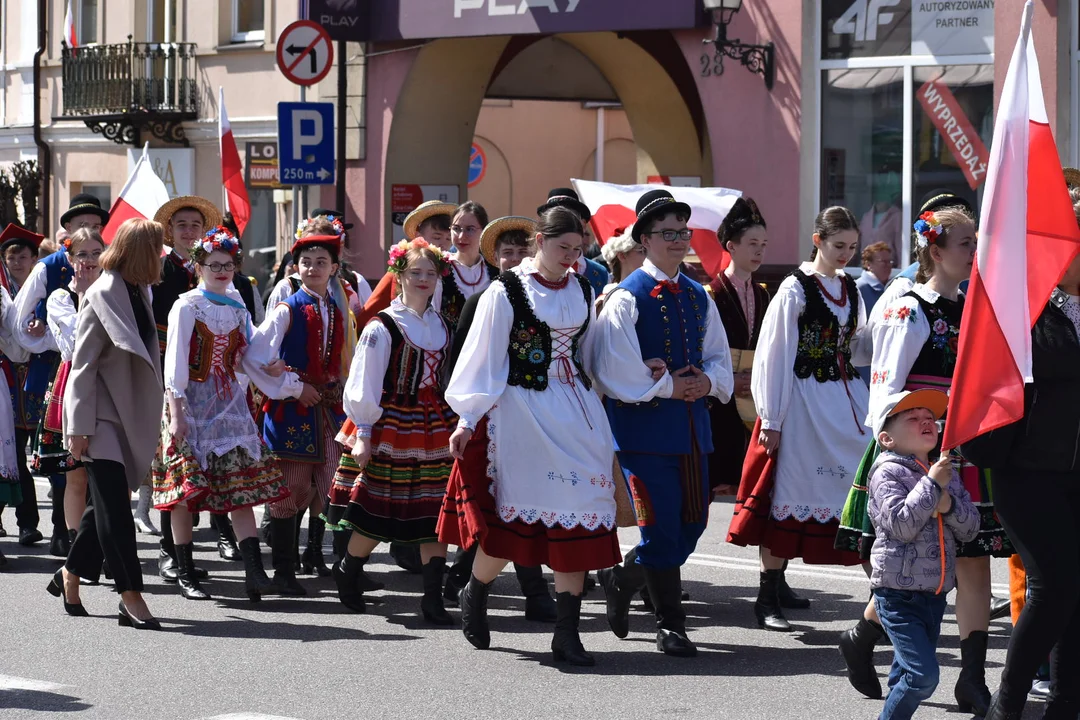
column 620, row 371
column 216, row 409
column 822, row 436
column 30, row 294
column 62, row 315
column 363, row 391
column 10, row 347
column 550, row 452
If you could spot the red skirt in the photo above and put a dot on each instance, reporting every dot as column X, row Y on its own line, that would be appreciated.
column 469, row 516
column 753, row 523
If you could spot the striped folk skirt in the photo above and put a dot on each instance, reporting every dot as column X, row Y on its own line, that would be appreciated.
column 398, row 496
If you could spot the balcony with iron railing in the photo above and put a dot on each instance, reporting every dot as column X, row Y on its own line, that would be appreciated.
column 124, row 89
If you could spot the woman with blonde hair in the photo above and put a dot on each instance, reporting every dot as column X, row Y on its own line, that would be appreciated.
column 112, row 405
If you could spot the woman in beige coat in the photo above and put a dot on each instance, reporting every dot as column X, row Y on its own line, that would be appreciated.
column 112, row 409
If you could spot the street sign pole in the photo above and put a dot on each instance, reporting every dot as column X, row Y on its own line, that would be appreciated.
column 296, row 188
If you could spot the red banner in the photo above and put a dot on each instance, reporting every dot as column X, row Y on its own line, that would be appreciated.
column 963, row 142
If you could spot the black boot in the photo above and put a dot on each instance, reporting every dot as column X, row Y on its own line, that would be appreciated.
column 1000, row 608
column 431, row 605
column 340, row 542
column 313, row 562
column 539, row 607
column 265, row 532
column 665, row 590
column 166, row 563
column 458, row 576
column 474, row 621
column 345, row 575
column 566, row 643
column 60, row 544
column 857, row 647
column 189, row 584
column 226, row 544
column 407, row 557
column 620, row 583
column 971, row 693
column 256, row 582
column 997, row 712
column 283, row 557
column 788, row 599
column 767, row 607
column 1061, row 710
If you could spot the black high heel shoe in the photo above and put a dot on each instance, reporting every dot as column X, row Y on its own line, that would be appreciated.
column 56, row 589
column 126, row 619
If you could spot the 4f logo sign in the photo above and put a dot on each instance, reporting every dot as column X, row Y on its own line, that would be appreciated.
column 863, row 18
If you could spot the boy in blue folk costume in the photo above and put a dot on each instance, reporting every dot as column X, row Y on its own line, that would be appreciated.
column 661, row 324
column 313, row 331
column 49, row 274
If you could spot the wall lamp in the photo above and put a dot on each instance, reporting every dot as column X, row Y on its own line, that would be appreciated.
column 760, row 59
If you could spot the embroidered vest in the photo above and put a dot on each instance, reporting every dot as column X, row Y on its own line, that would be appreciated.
column 530, row 339
column 670, row 326
column 453, row 300
column 292, row 431
column 408, row 364
column 937, row 358
column 824, row 350
column 208, row 351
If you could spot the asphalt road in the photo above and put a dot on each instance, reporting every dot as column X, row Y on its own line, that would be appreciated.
column 310, row 658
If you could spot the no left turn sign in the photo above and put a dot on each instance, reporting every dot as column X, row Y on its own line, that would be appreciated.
column 305, row 52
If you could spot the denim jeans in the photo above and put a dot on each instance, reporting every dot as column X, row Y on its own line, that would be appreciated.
column 912, row 621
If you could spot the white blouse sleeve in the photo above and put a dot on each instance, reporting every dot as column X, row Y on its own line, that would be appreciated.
column 862, row 345
column 716, row 355
column 26, row 302
column 620, row 372
column 257, row 354
column 271, row 334
column 363, row 391
column 178, row 348
column 260, row 307
column 773, row 376
column 61, row 319
column 898, row 339
column 479, row 377
column 9, row 344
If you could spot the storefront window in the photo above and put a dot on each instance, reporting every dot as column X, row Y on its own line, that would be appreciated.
column 906, row 107
column 953, row 126
column 862, row 144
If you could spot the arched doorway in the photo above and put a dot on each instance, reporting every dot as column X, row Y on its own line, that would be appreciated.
column 440, row 101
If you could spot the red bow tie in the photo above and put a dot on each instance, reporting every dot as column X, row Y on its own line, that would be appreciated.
column 669, row 285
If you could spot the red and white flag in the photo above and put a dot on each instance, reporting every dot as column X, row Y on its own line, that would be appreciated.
column 612, row 208
column 143, row 194
column 1028, row 236
column 232, row 174
column 69, row 28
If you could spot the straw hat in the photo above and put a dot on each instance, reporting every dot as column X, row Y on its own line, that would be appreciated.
column 1072, row 177
column 164, row 215
column 497, row 227
column 424, row 211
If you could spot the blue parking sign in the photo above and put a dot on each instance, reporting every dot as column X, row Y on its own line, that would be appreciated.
column 306, row 143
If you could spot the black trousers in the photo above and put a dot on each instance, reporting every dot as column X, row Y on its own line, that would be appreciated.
column 1041, row 512
column 107, row 530
column 26, row 512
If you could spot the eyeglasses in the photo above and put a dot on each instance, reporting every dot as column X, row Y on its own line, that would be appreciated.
column 470, row 230
column 220, row 267
column 84, row 256
column 672, row 235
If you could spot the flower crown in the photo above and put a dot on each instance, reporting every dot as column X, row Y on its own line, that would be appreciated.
column 398, row 253
column 219, row 239
column 339, row 226
column 927, row 229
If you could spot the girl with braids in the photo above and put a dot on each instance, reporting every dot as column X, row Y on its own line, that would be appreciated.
column 392, row 478
column 915, row 345
column 211, row 456
column 811, row 405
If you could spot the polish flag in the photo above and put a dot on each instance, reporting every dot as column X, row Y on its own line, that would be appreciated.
column 143, row 194
column 232, row 174
column 69, row 28
column 1028, row 236
column 613, row 206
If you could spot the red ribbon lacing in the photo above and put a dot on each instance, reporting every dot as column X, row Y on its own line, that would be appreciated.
column 563, row 342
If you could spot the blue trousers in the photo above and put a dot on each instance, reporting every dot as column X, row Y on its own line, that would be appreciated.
column 671, row 500
column 912, row 621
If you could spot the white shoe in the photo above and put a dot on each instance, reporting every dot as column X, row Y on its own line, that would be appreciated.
column 145, row 526
column 142, row 512
column 1040, row 689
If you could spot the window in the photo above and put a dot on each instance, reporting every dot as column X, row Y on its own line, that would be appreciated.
column 86, row 28
column 103, row 192
column 248, row 21
column 906, row 107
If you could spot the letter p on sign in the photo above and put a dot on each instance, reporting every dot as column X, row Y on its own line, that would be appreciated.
column 305, row 120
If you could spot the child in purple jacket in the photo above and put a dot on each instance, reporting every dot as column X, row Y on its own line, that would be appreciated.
column 919, row 513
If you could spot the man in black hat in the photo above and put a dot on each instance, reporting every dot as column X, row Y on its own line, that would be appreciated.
column 658, row 318
column 594, row 272
column 48, row 275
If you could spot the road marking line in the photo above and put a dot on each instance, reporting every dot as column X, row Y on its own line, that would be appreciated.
column 9, row 682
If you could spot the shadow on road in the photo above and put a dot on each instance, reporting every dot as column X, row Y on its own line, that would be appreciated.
column 41, row 701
